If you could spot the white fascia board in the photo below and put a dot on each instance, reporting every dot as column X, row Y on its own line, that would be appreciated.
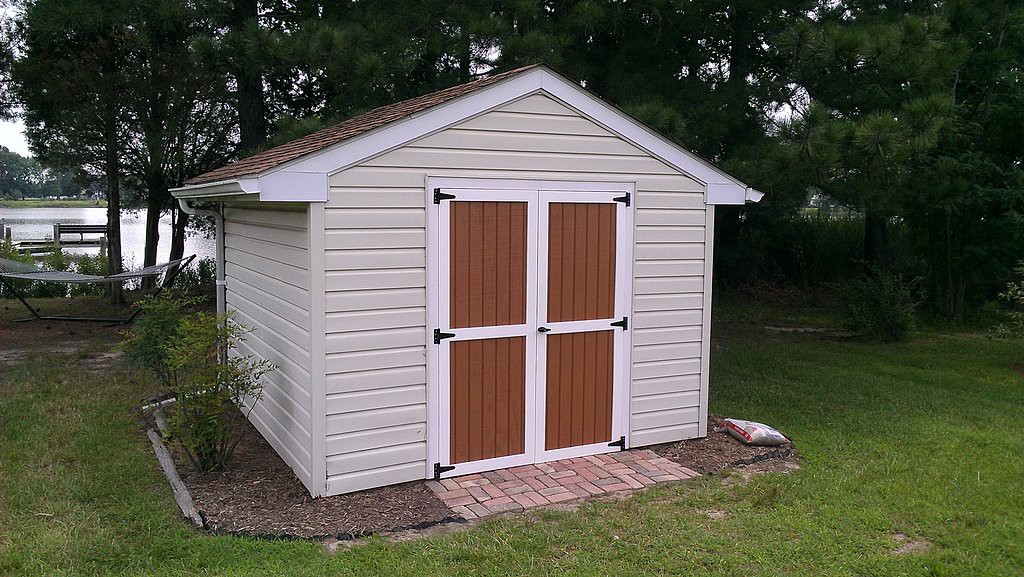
column 275, row 186
column 219, row 188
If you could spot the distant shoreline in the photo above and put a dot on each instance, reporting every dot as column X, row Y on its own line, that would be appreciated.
column 53, row 204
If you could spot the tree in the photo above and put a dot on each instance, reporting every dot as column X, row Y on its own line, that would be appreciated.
column 875, row 81
column 71, row 84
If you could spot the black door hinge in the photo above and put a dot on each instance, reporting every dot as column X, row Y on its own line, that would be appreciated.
column 621, row 443
column 624, row 323
column 622, row 199
column 439, row 469
column 439, row 196
column 439, row 336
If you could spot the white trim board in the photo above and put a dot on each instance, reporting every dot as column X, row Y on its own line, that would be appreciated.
column 305, row 179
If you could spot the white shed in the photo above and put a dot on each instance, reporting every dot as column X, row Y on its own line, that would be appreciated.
column 505, row 272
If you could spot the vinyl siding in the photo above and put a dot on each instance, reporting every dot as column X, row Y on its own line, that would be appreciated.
column 266, row 267
column 376, row 279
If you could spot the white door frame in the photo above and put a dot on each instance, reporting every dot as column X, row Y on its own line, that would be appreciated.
column 438, row 402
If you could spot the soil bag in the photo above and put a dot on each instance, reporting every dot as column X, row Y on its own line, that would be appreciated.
column 752, row 433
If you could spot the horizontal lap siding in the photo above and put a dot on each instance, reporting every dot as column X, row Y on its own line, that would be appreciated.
column 267, row 274
column 376, row 279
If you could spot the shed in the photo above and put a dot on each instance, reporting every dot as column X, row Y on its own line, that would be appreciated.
column 505, row 272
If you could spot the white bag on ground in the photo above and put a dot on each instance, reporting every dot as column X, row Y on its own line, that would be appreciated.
column 752, row 433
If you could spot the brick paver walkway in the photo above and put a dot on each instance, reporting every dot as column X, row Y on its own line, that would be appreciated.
column 518, row 488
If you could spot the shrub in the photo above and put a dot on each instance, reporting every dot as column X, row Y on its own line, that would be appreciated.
column 194, row 354
column 202, row 276
column 881, row 305
column 1013, row 298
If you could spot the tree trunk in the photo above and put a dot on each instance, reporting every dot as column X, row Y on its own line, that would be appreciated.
column 179, row 224
column 154, row 205
column 876, row 241
column 114, row 264
column 252, row 108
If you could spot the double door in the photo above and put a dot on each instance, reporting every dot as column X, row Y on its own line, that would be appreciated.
column 533, row 300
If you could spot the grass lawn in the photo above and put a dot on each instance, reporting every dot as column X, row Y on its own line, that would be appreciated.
column 924, row 438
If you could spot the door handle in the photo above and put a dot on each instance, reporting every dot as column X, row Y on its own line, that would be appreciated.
column 543, row 330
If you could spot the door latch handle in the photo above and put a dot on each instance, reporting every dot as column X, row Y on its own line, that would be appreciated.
column 543, row 330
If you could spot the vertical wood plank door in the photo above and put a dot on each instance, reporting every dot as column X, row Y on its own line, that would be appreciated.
column 488, row 291
column 581, row 304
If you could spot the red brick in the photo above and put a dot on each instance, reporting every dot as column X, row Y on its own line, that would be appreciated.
column 537, row 498
column 591, row 488
column 576, row 490
column 553, row 491
column 479, row 494
column 435, row 486
column 631, row 482
column 664, row 478
column 558, row 466
column 452, row 494
column 567, row 496
column 536, row 484
column 643, row 479
column 497, row 501
column 467, row 500
column 607, row 481
column 548, row 481
column 562, row 474
column 493, row 491
column 450, row 484
column 607, row 459
column 593, row 459
column 479, row 509
column 599, row 472
column 493, row 477
column 464, row 512
column 523, row 500
column 516, row 489
column 522, row 469
column 545, row 467
column 570, row 481
column 507, row 475
column 504, row 507
column 474, row 482
column 616, row 487
column 586, row 474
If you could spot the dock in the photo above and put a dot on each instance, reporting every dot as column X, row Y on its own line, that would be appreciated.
column 60, row 239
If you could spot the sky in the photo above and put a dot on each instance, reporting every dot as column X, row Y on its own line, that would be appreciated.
column 12, row 135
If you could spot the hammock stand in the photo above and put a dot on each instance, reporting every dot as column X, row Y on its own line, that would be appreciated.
column 10, row 269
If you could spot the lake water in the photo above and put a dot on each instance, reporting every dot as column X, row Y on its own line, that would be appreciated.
column 37, row 223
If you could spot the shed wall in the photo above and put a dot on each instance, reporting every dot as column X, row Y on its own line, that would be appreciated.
column 375, row 255
column 267, row 273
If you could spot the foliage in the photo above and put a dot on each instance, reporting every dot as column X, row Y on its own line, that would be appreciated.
column 23, row 177
column 881, row 305
column 1013, row 297
column 55, row 260
column 200, row 276
column 194, row 355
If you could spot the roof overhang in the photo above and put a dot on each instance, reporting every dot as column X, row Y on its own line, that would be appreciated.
column 305, row 179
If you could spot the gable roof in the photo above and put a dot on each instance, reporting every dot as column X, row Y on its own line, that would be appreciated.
column 297, row 171
column 293, row 149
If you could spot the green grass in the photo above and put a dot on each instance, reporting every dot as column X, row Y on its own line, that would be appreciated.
column 923, row 438
column 41, row 203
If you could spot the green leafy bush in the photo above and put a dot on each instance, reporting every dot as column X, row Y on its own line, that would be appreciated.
column 881, row 305
column 194, row 354
column 1013, row 298
column 200, row 276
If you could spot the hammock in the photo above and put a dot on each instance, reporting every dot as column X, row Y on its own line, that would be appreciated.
column 12, row 269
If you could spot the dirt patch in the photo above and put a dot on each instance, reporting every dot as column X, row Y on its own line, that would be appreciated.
column 720, row 450
column 24, row 340
column 261, row 496
column 907, row 546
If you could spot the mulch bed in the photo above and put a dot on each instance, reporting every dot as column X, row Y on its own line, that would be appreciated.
column 261, row 496
column 720, row 450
